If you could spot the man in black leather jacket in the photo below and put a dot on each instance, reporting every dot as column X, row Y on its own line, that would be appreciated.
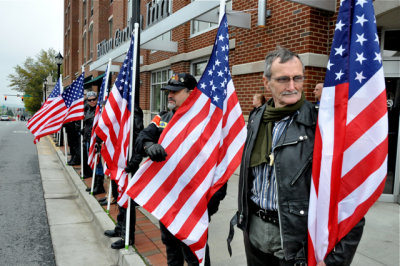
column 179, row 88
column 275, row 172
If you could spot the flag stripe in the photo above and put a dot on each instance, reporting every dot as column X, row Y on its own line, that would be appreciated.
column 366, row 119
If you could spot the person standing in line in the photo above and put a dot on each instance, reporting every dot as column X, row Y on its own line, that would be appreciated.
column 275, row 173
column 258, row 101
column 131, row 168
column 179, row 88
column 318, row 92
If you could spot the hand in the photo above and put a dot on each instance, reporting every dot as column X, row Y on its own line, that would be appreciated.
column 321, row 263
column 156, row 153
column 131, row 167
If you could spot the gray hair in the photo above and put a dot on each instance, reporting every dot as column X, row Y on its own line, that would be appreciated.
column 283, row 54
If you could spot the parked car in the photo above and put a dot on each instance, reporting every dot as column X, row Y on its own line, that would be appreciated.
column 5, row 118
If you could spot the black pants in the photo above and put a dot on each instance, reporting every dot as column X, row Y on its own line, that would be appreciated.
column 73, row 139
column 114, row 189
column 121, row 222
column 256, row 257
column 178, row 252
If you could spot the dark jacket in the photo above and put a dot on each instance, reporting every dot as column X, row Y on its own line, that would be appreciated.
column 152, row 133
column 293, row 165
column 88, row 123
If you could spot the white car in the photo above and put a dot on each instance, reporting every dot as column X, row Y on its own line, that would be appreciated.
column 5, row 118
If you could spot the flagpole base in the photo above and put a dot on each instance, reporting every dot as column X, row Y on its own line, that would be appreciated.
column 126, row 247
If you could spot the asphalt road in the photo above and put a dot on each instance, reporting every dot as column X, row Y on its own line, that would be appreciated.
column 24, row 231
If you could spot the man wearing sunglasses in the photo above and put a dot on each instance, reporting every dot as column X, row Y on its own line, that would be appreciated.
column 87, row 132
column 275, row 172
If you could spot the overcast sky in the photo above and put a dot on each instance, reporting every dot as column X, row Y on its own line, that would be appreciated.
column 26, row 27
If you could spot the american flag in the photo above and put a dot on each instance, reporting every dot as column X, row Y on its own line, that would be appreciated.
column 350, row 153
column 99, row 107
column 73, row 98
column 115, row 120
column 204, row 141
column 47, row 120
column 57, row 110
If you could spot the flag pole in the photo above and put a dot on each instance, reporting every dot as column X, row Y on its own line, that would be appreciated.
column 64, row 135
column 133, row 89
column 83, row 70
column 65, row 144
column 105, row 95
column 93, row 175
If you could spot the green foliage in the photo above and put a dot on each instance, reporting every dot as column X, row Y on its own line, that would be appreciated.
column 28, row 78
column 9, row 112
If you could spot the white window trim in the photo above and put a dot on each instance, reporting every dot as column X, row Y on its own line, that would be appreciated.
column 168, row 69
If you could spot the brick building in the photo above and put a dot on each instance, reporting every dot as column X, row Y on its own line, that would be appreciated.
column 177, row 36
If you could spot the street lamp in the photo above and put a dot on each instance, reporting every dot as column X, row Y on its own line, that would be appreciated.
column 59, row 61
column 44, row 89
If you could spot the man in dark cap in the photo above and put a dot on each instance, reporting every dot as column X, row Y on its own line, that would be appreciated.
column 179, row 88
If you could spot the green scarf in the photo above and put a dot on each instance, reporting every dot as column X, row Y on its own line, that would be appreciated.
column 263, row 145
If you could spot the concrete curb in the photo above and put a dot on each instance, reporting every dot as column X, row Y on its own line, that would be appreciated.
column 101, row 219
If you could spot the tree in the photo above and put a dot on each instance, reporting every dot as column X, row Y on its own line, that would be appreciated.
column 28, row 78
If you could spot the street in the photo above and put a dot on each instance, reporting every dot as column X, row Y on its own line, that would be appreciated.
column 24, row 234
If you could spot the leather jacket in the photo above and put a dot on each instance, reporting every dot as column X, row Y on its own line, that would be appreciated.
column 88, row 123
column 152, row 133
column 293, row 155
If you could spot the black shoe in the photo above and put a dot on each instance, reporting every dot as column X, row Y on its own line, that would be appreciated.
column 74, row 162
column 102, row 199
column 104, row 202
column 120, row 244
column 98, row 190
column 112, row 233
column 88, row 189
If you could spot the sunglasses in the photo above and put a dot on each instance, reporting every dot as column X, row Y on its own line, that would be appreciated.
column 92, row 100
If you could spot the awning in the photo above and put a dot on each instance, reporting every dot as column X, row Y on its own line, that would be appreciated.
column 90, row 82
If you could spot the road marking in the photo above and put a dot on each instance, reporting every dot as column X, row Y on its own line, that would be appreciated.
column 20, row 131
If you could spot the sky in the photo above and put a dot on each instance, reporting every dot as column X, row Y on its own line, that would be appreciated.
column 27, row 27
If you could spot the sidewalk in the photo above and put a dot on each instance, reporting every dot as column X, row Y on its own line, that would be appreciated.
column 379, row 244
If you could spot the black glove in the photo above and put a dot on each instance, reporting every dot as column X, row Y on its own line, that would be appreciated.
column 156, row 152
column 131, row 167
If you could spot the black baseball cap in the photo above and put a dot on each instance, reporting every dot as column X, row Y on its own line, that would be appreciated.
column 180, row 81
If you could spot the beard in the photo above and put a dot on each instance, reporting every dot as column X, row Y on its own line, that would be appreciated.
column 171, row 106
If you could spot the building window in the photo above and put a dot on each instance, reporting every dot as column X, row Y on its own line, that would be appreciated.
column 91, row 41
column 91, row 7
column 84, row 13
column 201, row 26
column 158, row 98
column 84, row 47
column 391, row 44
column 198, row 68
column 110, row 28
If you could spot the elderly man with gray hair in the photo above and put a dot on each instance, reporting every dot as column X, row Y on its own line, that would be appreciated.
column 275, row 172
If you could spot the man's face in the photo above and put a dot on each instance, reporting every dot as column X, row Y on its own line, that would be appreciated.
column 286, row 83
column 318, row 91
column 176, row 98
column 92, row 101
